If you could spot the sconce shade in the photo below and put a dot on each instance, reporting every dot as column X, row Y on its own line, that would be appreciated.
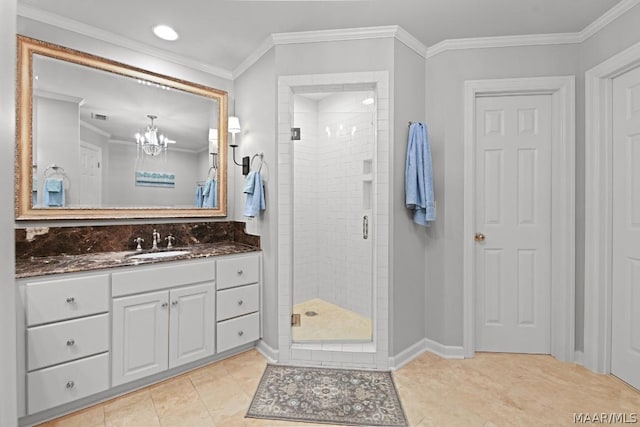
column 234, row 125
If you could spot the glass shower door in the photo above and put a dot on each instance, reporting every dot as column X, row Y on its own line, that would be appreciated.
column 333, row 217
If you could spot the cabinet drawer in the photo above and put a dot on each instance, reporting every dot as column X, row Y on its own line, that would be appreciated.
column 64, row 341
column 155, row 278
column 53, row 300
column 63, row 383
column 238, row 331
column 237, row 271
column 237, row 301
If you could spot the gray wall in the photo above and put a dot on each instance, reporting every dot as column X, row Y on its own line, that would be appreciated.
column 446, row 74
column 256, row 101
column 407, row 239
column 8, row 387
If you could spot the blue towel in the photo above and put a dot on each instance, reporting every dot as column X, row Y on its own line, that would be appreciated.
column 198, row 198
column 255, row 198
column 419, row 176
column 249, row 183
column 210, row 194
column 53, row 194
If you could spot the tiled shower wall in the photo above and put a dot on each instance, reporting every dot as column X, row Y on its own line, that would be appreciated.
column 332, row 193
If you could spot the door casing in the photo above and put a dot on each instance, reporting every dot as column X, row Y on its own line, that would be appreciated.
column 562, row 91
column 599, row 206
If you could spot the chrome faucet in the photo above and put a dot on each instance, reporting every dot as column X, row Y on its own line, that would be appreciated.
column 156, row 237
column 139, row 241
column 170, row 239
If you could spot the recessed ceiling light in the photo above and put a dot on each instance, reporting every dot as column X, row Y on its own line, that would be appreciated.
column 165, row 32
column 368, row 101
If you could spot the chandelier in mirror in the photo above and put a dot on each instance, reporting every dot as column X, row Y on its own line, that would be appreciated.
column 151, row 142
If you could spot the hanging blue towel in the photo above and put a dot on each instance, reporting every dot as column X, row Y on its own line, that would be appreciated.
column 419, row 176
column 210, row 194
column 249, row 183
column 255, row 197
column 53, row 194
column 198, row 199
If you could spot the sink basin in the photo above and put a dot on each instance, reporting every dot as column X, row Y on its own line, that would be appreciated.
column 155, row 255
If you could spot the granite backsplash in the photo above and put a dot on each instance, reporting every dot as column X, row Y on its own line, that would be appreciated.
column 51, row 241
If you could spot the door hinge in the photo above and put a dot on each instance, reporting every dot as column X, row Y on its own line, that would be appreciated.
column 295, row 134
column 295, row 320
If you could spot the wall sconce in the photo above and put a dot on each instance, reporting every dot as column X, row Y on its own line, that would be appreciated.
column 234, row 127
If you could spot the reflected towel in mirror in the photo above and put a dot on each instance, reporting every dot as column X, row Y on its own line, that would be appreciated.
column 53, row 194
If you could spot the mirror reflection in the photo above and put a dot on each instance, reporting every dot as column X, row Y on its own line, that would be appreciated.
column 105, row 140
column 100, row 139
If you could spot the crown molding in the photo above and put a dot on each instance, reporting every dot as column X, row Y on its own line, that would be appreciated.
column 264, row 47
column 609, row 16
column 335, row 35
column 502, row 41
column 58, row 96
column 49, row 18
column 363, row 33
column 535, row 39
column 411, row 42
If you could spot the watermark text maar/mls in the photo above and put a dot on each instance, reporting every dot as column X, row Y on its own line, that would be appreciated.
column 605, row 417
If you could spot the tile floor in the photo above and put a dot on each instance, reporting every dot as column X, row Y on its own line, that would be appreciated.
column 333, row 323
column 489, row 390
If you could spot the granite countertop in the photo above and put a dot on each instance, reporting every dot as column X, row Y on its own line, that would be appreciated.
column 41, row 266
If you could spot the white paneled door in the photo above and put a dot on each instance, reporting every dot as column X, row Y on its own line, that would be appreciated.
column 90, row 185
column 625, row 337
column 513, row 224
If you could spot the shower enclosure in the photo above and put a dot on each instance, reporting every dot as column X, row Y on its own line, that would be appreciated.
column 332, row 215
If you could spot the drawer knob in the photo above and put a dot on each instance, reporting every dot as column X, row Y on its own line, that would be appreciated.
column 70, row 384
column 71, row 300
column 174, row 303
column 240, row 302
column 71, row 342
column 241, row 333
column 165, row 305
column 240, row 271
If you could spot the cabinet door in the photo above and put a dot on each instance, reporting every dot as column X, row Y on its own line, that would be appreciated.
column 192, row 324
column 140, row 336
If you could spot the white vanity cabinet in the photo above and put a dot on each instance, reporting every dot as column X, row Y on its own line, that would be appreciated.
column 163, row 329
column 82, row 334
column 66, row 334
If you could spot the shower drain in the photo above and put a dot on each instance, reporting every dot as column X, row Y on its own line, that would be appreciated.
column 310, row 313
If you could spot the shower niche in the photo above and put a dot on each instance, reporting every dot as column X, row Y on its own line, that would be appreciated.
column 332, row 217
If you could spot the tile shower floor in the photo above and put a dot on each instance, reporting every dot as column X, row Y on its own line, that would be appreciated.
column 331, row 323
column 492, row 389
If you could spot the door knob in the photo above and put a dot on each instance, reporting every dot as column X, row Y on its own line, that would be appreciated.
column 479, row 237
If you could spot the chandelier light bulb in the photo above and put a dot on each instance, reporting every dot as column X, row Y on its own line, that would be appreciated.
column 151, row 143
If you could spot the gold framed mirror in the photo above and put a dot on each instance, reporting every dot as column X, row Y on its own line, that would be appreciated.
column 98, row 139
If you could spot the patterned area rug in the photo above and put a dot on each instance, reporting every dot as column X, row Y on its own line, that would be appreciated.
column 331, row 396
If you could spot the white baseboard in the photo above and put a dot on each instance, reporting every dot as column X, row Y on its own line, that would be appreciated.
column 407, row 355
column 270, row 353
column 444, row 351
column 578, row 357
column 425, row 344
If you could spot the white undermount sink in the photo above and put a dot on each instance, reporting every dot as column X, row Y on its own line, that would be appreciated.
column 154, row 255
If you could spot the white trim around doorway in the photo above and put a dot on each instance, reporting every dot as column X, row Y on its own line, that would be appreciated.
column 371, row 355
column 562, row 91
column 599, row 207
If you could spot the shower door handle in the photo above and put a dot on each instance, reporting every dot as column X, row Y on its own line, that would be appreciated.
column 365, row 227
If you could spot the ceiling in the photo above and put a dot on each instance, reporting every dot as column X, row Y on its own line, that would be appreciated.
column 223, row 33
